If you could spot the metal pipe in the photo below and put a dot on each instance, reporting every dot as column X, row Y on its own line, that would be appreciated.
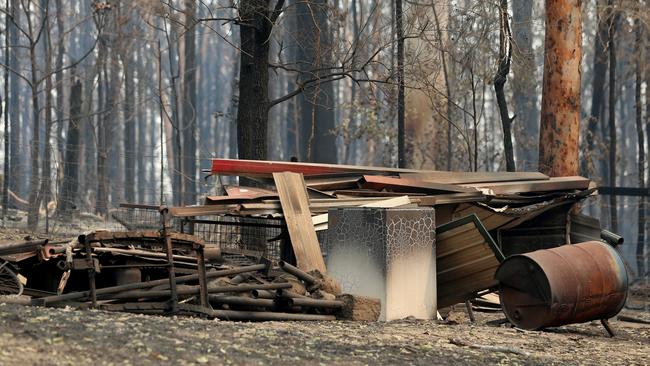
column 144, row 253
column 288, row 293
column 263, row 294
column 193, row 290
column 611, row 238
column 238, row 300
column 21, row 247
column 315, row 303
column 148, row 284
column 266, row 315
column 309, row 279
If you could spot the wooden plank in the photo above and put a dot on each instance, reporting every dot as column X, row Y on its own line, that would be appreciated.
column 474, row 177
column 332, row 183
column 249, row 192
column 409, row 185
column 344, row 193
column 553, row 184
column 445, row 199
column 265, row 168
column 320, row 221
column 297, row 215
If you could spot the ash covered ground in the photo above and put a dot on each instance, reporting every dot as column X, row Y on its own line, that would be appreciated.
column 49, row 336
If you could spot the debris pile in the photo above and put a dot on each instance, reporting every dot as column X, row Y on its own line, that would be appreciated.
column 277, row 250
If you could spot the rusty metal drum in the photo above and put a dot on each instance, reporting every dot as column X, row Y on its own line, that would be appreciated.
column 568, row 284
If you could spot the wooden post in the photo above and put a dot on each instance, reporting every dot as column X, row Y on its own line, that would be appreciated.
column 560, row 115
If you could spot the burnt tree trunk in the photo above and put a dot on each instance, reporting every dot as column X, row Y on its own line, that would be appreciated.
column 12, row 100
column 526, row 127
column 35, row 147
column 598, row 87
column 317, row 141
column 613, row 212
column 252, row 113
column 560, row 115
column 189, row 105
column 638, row 51
column 71, row 157
column 505, row 55
column 401, row 145
column 129, row 126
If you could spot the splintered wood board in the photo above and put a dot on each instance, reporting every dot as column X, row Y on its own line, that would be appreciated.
column 297, row 215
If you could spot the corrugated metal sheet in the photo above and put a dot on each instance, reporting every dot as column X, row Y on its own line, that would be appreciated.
column 467, row 258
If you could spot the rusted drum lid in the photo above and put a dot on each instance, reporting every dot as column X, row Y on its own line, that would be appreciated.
column 568, row 284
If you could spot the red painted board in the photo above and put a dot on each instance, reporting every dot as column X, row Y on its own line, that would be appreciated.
column 265, row 168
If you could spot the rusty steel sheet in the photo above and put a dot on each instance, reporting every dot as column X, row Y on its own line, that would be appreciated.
column 568, row 284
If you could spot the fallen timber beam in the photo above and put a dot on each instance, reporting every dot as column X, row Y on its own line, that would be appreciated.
column 142, row 285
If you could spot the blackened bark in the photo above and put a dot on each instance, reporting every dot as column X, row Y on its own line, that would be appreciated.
column 505, row 54
column 70, row 189
column 5, row 115
column 612, row 119
column 598, row 86
column 613, row 22
column 141, row 126
column 13, row 101
column 129, row 126
column 399, row 32
column 252, row 112
column 58, row 77
column 316, row 139
column 638, row 52
column 189, row 105
column 35, row 147
column 526, row 127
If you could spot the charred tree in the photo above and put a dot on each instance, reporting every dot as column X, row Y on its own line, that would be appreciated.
column 598, row 85
column 70, row 187
column 12, row 100
column 526, row 127
column 128, row 64
column 189, row 105
column 505, row 55
column 560, row 114
column 399, row 32
column 252, row 113
column 316, row 119
column 611, row 118
column 638, row 103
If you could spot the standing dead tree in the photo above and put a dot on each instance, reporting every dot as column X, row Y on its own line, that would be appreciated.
column 505, row 55
column 560, row 116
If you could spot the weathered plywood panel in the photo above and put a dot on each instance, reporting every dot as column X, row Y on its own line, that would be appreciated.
column 297, row 215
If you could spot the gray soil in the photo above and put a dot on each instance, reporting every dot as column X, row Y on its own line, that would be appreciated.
column 49, row 336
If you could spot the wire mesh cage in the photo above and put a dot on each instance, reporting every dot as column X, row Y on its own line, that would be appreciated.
column 252, row 236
